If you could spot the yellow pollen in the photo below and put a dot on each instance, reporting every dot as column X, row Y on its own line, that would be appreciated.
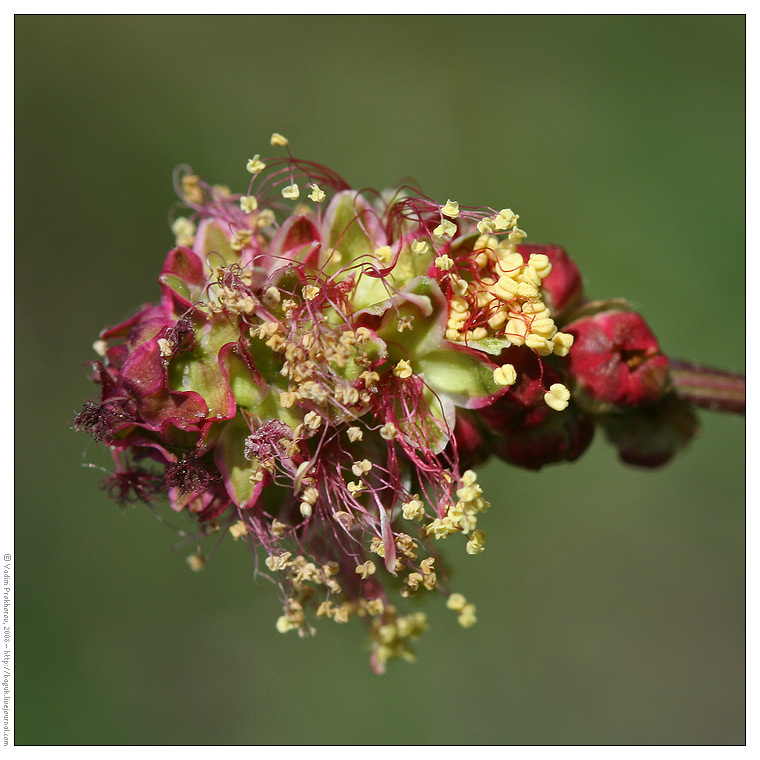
column 255, row 165
column 505, row 375
column 403, row 369
column 355, row 434
column 444, row 262
column 248, row 204
column 278, row 139
column 456, row 602
column 557, row 397
column 312, row 420
column 445, row 228
column 486, row 226
column 388, row 431
column 355, row 486
column 384, row 254
column 238, row 529
column 361, row 468
column 366, row 569
column 195, row 562
column 414, row 509
column 291, row 192
column 419, row 246
column 317, row 195
column 451, row 209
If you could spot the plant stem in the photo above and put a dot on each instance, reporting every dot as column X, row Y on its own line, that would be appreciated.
column 707, row 387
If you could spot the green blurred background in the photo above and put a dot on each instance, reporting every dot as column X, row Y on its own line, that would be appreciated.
column 610, row 600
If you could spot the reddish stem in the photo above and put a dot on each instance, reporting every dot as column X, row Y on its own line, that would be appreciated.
column 707, row 387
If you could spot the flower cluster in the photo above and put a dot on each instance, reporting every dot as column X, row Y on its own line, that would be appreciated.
column 325, row 367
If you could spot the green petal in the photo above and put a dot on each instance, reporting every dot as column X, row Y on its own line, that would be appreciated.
column 460, row 375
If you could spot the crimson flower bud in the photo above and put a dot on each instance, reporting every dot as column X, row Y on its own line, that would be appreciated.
column 616, row 361
column 527, row 432
column 652, row 435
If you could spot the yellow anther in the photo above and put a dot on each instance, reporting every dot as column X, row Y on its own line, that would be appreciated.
column 278, row 139
column 459, row 286
column 265, row 218
column 419, row 246
column 305, row 509
column 541, row 264
column 278, row 561
column 526, row 290
column 505, row 288
column 165, row 347
column 184, row 230
column 271, row 297
column 238, row 529
column 312, row 420
column 285, row 624
column 413, row 509
column 355, row 486
column 361, row 468
column 384, row 253
column 497, row 320
column 403, row 369
column 413, row 580
column 278, row 528
column 195, row 562
column 248, row 204
column 375, row 606
column 287, row 400
column 345, row 519
column 317, row 195
column 516, row 331
column 377, row 546
column 470, row 477
column 310, row 495
column 100, row 347
column 539, row 344
column 354, row 434
column 535, row 308
column 405, row 323
column 486, row 226
column 445, row 228
column 505, row 219
column 451, row 209
column 366, row 569
column 557, row 397
column 291, row 192
column 562, row 342
column 255, row 165
column 476, row 543
column 456, row 602
column 388, row 431
column 444, row 262
column 544, row 327
column 466, row 616
column 505, row 375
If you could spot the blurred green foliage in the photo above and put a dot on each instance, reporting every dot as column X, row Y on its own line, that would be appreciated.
column 610, row 600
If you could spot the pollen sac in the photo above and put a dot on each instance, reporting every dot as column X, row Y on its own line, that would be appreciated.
column 321, row 373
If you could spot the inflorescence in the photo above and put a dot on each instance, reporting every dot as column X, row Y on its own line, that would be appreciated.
column 325, row 367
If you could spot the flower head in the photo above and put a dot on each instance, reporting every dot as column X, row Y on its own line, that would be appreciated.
column 319, row 378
